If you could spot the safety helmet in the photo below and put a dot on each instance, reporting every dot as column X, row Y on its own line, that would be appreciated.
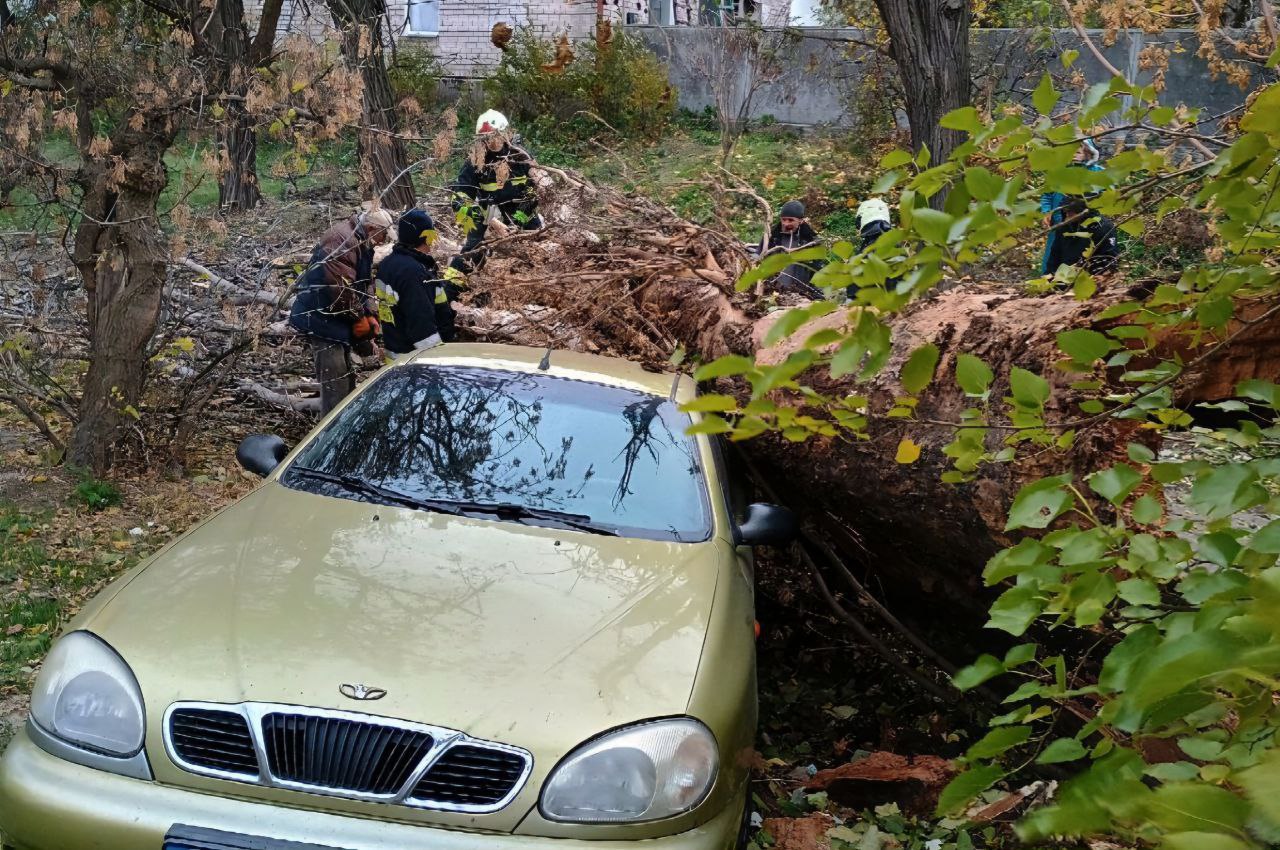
column 873, row 209
column 491, row 121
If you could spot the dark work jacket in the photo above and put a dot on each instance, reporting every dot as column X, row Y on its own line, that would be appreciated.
column 411, row 299
column 873, row 231
column 322, row 308
column 801, row 237
column 480, row 184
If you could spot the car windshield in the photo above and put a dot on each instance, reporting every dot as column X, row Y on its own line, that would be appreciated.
column 522, row 447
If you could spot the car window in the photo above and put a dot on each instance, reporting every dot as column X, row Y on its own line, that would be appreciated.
column 486, row 437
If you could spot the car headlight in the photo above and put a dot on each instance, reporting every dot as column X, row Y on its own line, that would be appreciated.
column 87, row 696
column 646, row 772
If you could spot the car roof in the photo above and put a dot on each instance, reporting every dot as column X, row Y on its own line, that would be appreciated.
column 596, row 368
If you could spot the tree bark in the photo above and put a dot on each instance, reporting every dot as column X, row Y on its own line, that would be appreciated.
column 226, row 39
column 238, row 189
column 929, row 42
column 122, row 257
column 384, row 160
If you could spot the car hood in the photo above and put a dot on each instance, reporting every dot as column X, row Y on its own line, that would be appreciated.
column 535, row 637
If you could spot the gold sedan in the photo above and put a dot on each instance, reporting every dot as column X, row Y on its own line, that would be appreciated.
column 495, row 600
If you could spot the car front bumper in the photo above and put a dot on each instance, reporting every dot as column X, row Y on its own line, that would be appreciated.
column 47, row 803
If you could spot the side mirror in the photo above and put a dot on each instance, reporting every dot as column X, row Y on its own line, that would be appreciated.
column 767, row 525
column 261, row 453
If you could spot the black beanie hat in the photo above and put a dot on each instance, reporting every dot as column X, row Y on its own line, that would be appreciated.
column 792, row 209
column 412, row 223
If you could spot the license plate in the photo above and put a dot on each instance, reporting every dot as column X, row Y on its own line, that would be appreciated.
column 183, row 837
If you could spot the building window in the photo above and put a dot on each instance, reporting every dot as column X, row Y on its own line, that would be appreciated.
column 424, row 17
column 661, row 12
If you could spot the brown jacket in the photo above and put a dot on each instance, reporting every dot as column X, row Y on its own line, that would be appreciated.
column 348, row 256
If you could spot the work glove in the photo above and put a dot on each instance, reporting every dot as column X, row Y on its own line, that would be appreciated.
column 365, row 327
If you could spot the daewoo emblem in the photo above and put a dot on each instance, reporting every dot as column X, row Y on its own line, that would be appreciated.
column 361, row 691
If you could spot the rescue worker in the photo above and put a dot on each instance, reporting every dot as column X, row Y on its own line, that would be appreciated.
column 792, row 232
column 1073, row 229
column 874, row 221
column 412, row 306
column 494, row 184
column 334, row 308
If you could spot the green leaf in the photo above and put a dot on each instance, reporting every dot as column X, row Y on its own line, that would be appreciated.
column 730, row 364
column 1261, row 785
column 1063, row 749
column 1019, row 655
column 982, row 184
column 1259, row 390
column 934, row 226
column 973, row 376
column 886, row 181
column 1028, row 388
column 1016, row 608
column 710, row 403
column 1264, row 113
column 998, row 741
column 1219, row 548
column 1115, row 484
column 1147, row 510
column 1202, row 841
column 917, row 372
column 986, row 667
column 1138, row 591
column 1040, row 503
column 1069, row 58
column 1201, row 749
column 965, row 118
column 1085, row 346
column 1045, row 97
column 1267, row 539
column 1192, row 806
column 1227, row 489
column 710, row 424
column 966, row 786
column 895, row 159
column 768, row 267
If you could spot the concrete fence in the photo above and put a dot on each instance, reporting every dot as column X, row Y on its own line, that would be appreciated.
column 817, row 74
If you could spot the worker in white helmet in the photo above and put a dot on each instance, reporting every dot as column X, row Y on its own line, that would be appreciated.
column 494, row 184
column 875, row 219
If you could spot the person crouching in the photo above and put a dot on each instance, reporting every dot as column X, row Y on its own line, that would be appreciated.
column 412, row 306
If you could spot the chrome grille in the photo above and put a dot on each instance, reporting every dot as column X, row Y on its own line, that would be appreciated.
column 214, row 739
column 467, row 775
column 345, row 754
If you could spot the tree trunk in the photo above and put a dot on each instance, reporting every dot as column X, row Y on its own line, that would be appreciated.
column 384, row 160
column 238, row 189
column 929, row 41
column 225, row 39
column 122, row 256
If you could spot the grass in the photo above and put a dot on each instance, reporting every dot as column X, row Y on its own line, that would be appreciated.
column 280, row 174
column 43, row 587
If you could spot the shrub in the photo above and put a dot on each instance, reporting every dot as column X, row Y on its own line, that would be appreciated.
column 416, row 73
column 627, row 88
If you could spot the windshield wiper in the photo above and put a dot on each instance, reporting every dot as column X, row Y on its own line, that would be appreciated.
column 501, row 510
column 517, row 513
column 368, row 489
